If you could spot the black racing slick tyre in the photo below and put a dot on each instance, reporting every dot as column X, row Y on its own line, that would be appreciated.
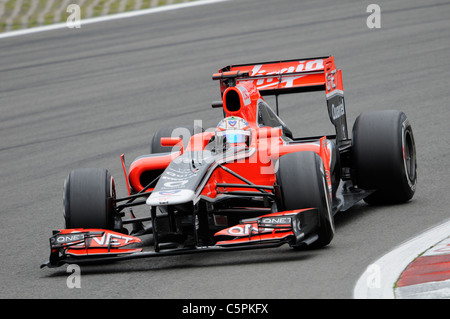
column 384, row 155
column 89, row 199
column 302, row 181
column 183, row 131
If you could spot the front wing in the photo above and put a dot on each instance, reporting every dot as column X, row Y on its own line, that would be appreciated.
column 81, row 246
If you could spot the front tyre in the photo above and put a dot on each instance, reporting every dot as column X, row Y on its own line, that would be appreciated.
column 384, row 155
column 303, row 184
column 89, row 199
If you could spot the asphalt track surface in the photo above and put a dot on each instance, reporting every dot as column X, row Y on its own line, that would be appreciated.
column 80, row 98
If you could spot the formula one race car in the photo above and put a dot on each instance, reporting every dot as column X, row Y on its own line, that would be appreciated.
column 246, row 184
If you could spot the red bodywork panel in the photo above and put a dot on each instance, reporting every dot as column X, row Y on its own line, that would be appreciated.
column 252, row 81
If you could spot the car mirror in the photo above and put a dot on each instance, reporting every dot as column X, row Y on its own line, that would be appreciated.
column 172, row 141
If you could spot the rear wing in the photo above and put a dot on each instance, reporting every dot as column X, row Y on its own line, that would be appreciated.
column 280, row 77
column 294, row 76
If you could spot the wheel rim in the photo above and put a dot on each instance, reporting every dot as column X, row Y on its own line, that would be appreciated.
column 409, row 157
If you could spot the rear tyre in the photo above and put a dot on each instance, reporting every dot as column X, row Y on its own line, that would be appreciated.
column 303, row 184
column 384, row 155
column 89, row 199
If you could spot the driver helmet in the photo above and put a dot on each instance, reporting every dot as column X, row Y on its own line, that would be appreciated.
column 232, row 131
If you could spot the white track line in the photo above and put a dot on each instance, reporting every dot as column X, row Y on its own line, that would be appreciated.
column 123, row 15
column 377, row 281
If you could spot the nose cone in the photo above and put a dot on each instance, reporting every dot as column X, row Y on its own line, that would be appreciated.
column 170, row 197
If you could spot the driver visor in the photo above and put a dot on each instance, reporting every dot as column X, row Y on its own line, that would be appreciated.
column 235, row 137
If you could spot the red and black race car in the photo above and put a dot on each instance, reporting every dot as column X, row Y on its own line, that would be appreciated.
column 246, row 184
